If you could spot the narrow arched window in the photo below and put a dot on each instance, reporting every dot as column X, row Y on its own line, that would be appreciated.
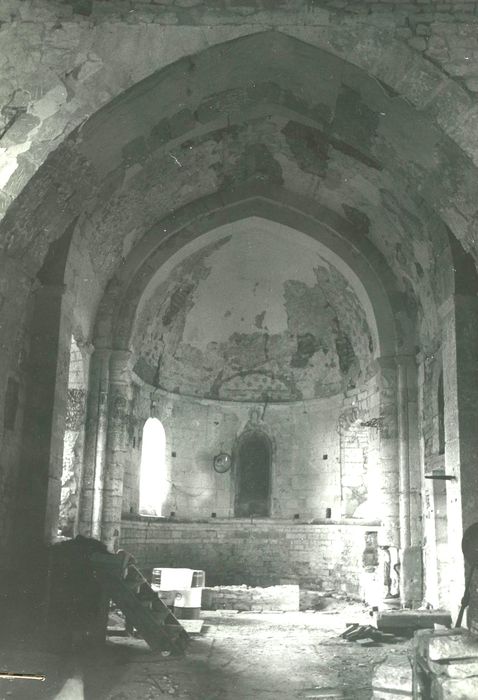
column 152, row 476
column 441, row 416
column 253, row 475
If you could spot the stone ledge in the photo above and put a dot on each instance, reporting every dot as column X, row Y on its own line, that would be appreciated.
column 137, row 522
column 284, row 598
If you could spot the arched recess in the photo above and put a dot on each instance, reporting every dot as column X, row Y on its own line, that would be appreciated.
column 253, row 466
column 366, row 269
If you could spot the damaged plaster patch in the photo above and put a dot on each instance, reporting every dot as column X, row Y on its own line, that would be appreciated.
column 309, row 146
column 357, row 218
column 178, row 301
column 307, row 346
column 255, row 163
column 259, row 320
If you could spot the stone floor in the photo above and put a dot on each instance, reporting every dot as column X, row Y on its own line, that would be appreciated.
column 238, row 656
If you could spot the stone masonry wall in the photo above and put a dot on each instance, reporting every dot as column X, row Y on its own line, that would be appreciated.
column 305, row 472
column 323, row 458
column 325, row 557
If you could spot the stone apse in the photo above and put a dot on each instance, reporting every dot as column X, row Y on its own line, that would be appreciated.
column 284, row 252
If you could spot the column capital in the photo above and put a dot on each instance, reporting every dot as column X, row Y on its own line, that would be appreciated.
column 86, row 347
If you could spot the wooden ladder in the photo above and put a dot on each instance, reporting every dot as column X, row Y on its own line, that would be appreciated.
column 131, row 592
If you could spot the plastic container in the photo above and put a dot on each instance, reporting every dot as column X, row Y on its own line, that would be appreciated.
column 181, row 589
column 187, row 604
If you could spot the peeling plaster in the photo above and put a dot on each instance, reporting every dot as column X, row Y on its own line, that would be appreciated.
column 232, row 322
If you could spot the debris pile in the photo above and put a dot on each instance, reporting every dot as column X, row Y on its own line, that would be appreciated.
column 367, row 635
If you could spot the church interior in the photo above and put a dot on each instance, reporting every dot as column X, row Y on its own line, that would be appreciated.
column 239, row 311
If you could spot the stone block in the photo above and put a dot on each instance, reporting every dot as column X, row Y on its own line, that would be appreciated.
column 412, row 619
column 418, row 42
column 455, row 669
column 454, row 646
column 454, row 689
column 392, row 679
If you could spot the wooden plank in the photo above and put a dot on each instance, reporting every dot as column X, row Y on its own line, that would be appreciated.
column 158, row 627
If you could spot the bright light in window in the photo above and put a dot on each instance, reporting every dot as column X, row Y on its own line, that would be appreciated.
column 153, row 484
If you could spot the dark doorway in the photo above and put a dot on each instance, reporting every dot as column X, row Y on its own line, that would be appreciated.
column 253, row 475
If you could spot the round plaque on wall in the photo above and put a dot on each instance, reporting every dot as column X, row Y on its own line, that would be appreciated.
column 222, row 462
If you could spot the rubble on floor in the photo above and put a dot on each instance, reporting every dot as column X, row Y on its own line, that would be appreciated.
column 364, row 633
column 237, row 656
column 317, row 600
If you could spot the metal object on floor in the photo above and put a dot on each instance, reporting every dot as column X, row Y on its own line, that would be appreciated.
column 131, row 592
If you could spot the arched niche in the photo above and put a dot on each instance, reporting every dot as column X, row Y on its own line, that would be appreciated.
column 253, row 474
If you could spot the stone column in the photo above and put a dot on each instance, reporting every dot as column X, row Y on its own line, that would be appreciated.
column 388, row 488
column 399, row 489
column 86, row 352
column 460, row 380
column 410, row 483
column 119, row 404
column 466, row 335
column 91, row 502
column 44, row 420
